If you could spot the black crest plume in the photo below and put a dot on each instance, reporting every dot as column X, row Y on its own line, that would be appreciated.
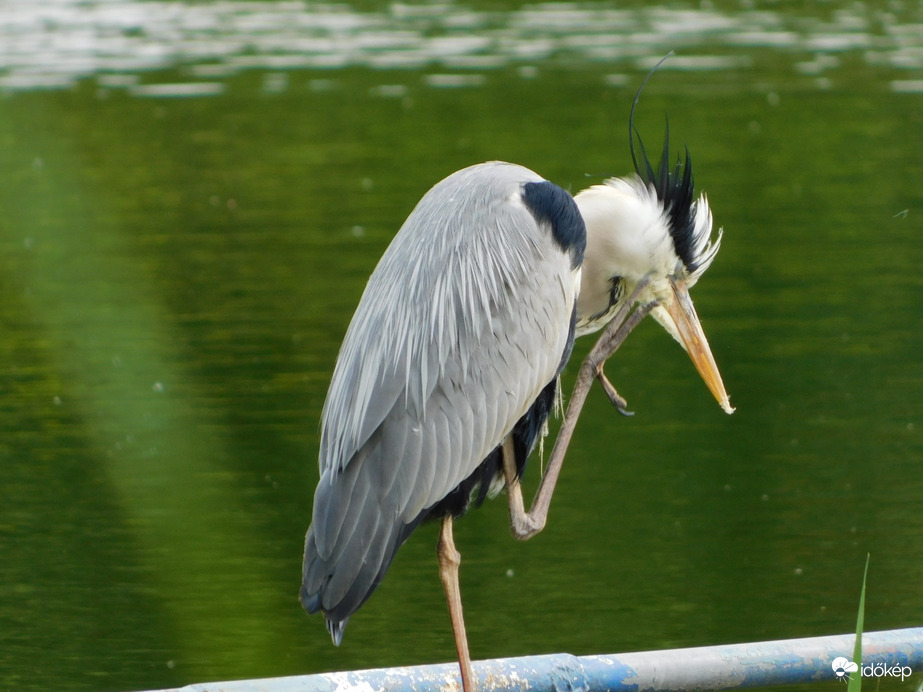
column 674, row 188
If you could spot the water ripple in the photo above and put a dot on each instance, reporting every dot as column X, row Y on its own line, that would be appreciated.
column 54, row 43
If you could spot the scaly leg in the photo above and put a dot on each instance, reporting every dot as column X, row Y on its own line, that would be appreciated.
column 617, row 399
column 449, row 560
column 524, row 525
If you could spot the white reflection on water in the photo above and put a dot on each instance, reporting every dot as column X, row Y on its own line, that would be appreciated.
column 53, row 43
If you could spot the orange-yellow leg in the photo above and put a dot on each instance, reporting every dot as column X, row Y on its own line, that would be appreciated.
column 449, row 560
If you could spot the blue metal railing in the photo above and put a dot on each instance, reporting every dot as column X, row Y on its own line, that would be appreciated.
column 888, row 656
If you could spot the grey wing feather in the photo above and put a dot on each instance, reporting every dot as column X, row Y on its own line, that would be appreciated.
column 461, row 325
column 429, row 297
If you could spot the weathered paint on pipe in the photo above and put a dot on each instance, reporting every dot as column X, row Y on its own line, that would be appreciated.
column 728, row 667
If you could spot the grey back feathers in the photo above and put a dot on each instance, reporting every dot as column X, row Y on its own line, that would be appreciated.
column 463, row 323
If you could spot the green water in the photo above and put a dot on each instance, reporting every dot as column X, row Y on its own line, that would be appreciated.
column 177, row 274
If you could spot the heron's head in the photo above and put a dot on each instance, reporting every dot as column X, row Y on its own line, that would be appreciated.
column 650, row 229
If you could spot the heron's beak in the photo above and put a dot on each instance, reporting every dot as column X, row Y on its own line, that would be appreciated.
column 677, row 315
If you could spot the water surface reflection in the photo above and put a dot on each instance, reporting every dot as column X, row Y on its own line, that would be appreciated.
column 177, row 274
column 52, row 44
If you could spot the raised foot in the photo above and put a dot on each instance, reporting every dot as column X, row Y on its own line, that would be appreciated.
column 617, row 399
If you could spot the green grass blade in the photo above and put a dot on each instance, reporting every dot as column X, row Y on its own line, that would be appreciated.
column 855, row 679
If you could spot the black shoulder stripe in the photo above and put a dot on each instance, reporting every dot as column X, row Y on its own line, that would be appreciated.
column 550, row 203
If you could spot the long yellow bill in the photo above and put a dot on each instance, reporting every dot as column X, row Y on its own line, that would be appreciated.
column 689, row 333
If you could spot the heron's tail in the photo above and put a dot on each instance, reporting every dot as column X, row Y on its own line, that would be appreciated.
column 311, row 602
column 348, row 549
column 312, row 595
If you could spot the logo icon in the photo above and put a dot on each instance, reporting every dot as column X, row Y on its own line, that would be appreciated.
column 842, row 667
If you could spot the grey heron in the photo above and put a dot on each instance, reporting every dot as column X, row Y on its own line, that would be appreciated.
column 450, row 365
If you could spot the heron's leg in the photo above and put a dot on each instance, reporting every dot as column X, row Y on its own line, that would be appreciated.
column 617, row 399
column 449, row 560
column 524, row 525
